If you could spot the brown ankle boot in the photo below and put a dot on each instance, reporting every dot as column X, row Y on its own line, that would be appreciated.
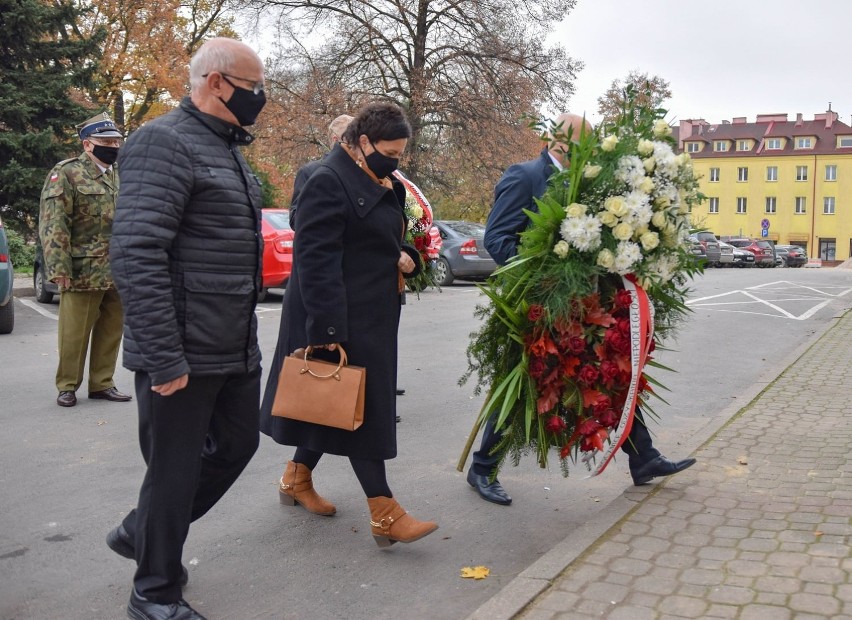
column 392, row 524
column 296, row 487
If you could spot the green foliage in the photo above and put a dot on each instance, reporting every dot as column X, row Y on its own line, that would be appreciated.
column 43, row 61
column 22, row 253
column 271, row 193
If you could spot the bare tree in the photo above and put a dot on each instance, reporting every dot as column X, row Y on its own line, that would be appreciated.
column 650, row 91
column 466, row 71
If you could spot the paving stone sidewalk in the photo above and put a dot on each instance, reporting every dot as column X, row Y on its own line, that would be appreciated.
column 759, row 529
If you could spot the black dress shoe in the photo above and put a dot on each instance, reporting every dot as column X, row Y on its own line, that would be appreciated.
column 66, row 399
column 659, row 467
column 119, row 541
column 489, row 491
column 141, row 608
column 110, row 394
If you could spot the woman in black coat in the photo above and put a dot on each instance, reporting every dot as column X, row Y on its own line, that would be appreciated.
column 346, row 285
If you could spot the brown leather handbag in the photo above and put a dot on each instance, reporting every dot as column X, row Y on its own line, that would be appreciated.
column 320, row 392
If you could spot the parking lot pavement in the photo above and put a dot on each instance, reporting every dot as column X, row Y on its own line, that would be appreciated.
column 759, row 528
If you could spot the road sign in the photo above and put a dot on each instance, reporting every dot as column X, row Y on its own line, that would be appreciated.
column 764, row 232
column 764, row 224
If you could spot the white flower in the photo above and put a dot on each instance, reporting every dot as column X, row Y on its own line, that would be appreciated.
column 590, row 172
column 639, row 210
column 575, row 209
column 608, row 143
column 561, row 249
column 584, row 233
column 606, row 259
column 666, row 160
column 630, row 170
column 623, row 231
column 665, row 266
column 649, row 241
column 649, row 164
column 616, row 206
column 659, row 219
column 607, row 218
column 415, row 211
column 645, row 147
column 646, row 185
column 684, row 160
column 661, row 129
column 627, row 254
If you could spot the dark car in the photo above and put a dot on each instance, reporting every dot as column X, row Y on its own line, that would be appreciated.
column 711, row 246
column 742, row 258
column 277, row 249
column 463, row 254
column 44, row 288
column 7, row 283
column 791, row 255
column 764, row 254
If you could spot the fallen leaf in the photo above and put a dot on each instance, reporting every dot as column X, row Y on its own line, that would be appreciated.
column 742, row 460
column 477, row 572
column 817, row 533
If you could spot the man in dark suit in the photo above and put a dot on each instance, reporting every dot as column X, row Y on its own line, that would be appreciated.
column 517, row 190
column 335, row 130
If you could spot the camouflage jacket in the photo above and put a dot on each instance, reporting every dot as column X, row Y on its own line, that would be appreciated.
column 77, row 208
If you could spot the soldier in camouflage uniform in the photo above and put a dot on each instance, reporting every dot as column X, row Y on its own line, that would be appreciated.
column 75, row 224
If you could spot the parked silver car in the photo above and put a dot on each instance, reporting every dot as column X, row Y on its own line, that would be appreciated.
column 711, row 246
column 463, row 253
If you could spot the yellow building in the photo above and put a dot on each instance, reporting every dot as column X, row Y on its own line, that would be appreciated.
column 786, row 181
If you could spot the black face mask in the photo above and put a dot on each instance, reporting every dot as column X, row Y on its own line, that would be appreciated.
column 381, row 165
column 106, row 154
column 244, row 104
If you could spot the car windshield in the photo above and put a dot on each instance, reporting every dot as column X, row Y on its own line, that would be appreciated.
column 764, row 244
column 740, row 243
column 706, row 236
column 279, row 220
column 470, row 229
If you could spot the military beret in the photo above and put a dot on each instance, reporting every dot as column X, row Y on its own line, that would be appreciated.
column 99, row 126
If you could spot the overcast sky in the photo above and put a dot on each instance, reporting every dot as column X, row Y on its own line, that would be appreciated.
column 722, row 58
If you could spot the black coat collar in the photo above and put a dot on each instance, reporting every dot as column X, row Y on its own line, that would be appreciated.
column 233, row 134
column 363, row 192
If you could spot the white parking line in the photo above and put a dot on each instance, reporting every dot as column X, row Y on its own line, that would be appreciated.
column 783, row 291
column 39, row 308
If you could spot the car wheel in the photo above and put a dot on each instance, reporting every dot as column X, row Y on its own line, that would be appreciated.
column 443, row 273
column 262, row 294
column 7, row 317
column 42, row 295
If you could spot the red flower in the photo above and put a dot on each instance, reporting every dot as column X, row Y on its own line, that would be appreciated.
column 535, row 312
column 609, row 371
column 602, row 404
column 622, row 298
column 537, row 367
column 624, row 326
column 556, row 424
column 588, row 374
column 421, row 242
column 588, row 426
column 576, row 344
column 608, row 418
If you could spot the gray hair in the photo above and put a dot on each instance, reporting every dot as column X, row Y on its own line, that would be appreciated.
column 217, row 54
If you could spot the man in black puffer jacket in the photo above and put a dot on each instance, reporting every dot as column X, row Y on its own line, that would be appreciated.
column 186, row 251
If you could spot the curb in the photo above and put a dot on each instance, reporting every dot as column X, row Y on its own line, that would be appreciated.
column 516, row 596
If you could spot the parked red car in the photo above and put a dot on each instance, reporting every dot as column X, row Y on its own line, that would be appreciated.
column 764, row 254
column 277, row 249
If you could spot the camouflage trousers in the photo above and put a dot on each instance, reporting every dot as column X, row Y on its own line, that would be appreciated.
column 86, row 317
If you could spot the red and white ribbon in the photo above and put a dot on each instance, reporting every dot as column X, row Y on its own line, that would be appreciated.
column 641, row 338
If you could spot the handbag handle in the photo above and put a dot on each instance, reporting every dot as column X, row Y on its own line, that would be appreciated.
column 334, row 374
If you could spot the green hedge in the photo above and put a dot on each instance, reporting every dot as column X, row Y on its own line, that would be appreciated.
column 22, row 253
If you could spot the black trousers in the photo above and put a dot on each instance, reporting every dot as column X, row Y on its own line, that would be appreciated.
column 638, row 447
column 195, row 443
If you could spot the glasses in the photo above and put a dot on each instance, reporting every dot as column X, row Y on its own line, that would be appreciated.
column 256, row 87
column 94, row 139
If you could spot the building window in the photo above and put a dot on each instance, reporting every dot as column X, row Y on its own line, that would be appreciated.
column 692, row 147
column 831, row 172
column 828, row 205
column 720, row 146
column 773, row 144
column 771, row 204
column 742, row 174
column 743, row 145
column 771, row 173
column 801, row 203
column 827, row 249
column 714, row 205
column 845, row 141
column 714, row 175
column 742, row 204
column 803, row 143
column 801, row 173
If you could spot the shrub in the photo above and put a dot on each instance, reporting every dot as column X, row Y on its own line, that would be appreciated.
column 22, row 253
